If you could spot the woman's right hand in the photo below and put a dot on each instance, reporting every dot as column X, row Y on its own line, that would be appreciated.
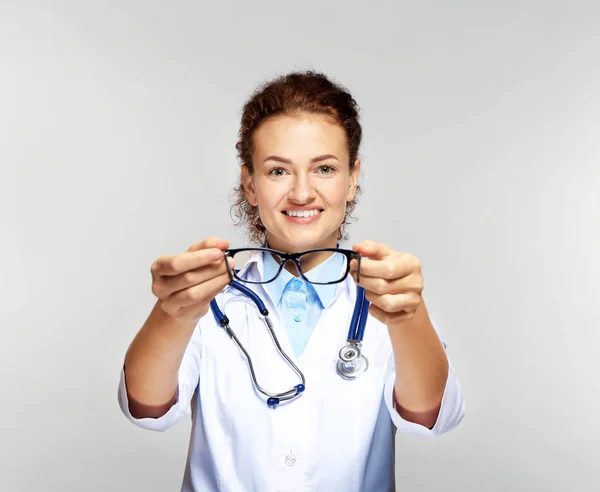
column 186, row 283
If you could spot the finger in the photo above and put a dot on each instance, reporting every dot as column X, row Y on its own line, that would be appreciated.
column 211, row 242
column 202, row 293
column 394, row 303
column 394, row 266
column 378, row 285
column 371, row 249
column 165, row 286
column 176, row 264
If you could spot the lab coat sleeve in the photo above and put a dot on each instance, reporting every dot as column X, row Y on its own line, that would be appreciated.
column 451, row 411
column 189, row 372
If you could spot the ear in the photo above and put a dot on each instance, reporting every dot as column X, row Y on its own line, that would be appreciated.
column 248, row 184
column 354, row 176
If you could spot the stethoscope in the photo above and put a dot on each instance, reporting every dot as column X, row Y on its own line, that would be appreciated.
column 351, row 364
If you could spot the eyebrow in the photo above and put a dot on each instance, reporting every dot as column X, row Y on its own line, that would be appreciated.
column 320, row 158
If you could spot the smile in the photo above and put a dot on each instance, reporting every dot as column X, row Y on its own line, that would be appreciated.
column 302, row 213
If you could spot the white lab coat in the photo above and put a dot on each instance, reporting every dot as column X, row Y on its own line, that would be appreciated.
column 337, row 436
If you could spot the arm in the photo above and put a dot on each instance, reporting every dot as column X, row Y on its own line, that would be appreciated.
column 421, row 369
column 423, row 375
column 152, row 363
column 184, row 285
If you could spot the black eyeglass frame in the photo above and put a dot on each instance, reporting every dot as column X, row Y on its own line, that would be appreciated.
column 285, row 257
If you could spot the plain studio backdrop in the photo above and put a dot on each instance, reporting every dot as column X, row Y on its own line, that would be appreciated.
column 481, row 156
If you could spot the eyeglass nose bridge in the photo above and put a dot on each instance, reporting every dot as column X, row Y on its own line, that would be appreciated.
column 295, row 261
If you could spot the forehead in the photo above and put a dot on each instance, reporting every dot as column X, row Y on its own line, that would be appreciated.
column 303, row 135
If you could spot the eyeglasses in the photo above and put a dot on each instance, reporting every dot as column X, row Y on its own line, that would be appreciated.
column 342, row 257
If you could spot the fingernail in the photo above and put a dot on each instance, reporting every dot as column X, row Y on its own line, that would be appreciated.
column 215, row 255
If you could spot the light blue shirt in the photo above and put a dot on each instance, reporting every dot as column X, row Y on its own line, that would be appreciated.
column 298, row 302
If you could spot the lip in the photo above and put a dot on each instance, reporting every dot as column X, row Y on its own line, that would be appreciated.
column 302, row 220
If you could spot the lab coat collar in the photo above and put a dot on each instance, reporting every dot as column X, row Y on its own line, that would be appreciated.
column 253, row 270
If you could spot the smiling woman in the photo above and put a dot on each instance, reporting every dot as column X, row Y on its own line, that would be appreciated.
column 298, row 147
column 310, row 185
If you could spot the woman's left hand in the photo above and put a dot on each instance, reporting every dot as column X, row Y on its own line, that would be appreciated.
column 392, row 281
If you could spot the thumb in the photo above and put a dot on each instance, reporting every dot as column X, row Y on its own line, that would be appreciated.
column 211, row 242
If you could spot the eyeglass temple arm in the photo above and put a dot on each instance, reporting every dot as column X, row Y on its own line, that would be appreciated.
column 358, row 268
column 226, row 255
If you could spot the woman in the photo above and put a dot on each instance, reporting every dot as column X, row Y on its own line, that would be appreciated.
column 299, row 142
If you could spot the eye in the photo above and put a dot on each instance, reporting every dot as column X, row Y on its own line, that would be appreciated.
column 277, row 171
column 325, row 169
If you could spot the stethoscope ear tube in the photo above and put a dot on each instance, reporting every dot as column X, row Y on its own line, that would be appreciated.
column 252, row 295
column 273, row 399
column 356, row 331
column 364, row 314
column 218, row 314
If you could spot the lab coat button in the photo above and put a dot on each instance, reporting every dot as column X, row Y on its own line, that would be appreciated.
column 297, row 318
column 290, row 460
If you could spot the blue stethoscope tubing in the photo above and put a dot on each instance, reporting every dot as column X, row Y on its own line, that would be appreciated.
column 351, row 364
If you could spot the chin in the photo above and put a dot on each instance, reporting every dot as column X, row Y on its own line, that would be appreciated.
column 306, row 240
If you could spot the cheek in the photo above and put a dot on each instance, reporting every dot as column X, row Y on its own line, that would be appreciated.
column 269, row 195
column 335, row 193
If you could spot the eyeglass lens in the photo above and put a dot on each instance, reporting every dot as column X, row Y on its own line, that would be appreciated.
column 332, row 265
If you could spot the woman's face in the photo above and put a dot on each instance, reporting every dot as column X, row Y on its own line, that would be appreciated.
column 301, row 181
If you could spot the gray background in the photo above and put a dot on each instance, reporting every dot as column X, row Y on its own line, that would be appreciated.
column 118, row 121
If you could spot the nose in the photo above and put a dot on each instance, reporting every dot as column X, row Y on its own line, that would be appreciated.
column 303, row 190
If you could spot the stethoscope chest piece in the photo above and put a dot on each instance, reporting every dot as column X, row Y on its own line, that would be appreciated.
column 351, row 363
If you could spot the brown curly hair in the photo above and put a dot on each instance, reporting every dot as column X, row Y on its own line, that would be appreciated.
column 293, row 93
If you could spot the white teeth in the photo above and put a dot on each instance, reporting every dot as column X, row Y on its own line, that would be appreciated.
column 301, row 213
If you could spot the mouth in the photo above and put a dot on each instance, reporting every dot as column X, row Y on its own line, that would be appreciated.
column 303, row 213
